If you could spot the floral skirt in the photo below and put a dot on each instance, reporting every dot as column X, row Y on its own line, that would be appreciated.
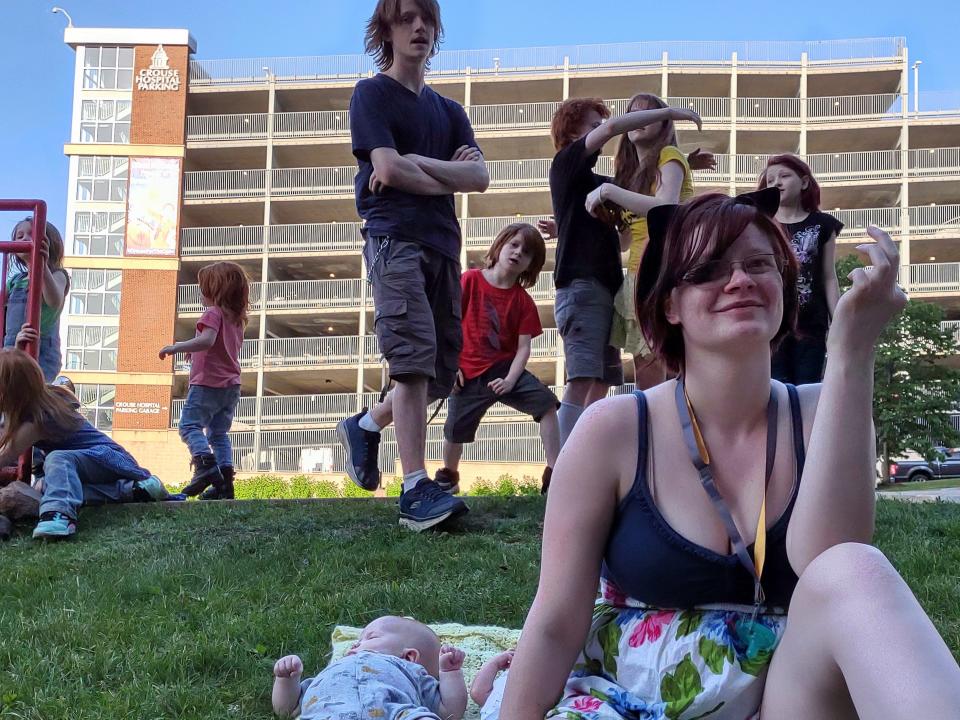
column 645, row 663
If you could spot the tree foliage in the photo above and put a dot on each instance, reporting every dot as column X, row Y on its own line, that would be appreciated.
column 914, row 389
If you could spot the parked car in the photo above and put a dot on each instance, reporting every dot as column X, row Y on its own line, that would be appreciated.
column 916, row 470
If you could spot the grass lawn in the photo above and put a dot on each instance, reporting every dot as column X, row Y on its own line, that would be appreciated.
column 930, row 485
column 154, row 612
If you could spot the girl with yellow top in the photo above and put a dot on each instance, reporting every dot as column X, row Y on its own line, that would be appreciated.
column 649, row 170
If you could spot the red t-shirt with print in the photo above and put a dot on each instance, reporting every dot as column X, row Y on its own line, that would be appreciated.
column 493, row 321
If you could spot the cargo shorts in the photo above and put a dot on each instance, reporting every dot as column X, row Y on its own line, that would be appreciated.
column 584, row 313
column 417, row 311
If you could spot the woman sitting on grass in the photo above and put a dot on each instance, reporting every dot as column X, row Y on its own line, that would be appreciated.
column 82, row 465
column 727, row 516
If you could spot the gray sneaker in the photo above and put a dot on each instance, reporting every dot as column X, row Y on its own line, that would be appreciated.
column 427, row 505
column 362, row 448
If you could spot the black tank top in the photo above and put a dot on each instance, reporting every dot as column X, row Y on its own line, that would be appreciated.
column 651, row 562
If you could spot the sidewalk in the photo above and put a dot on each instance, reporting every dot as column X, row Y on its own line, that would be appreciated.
column 943, row 495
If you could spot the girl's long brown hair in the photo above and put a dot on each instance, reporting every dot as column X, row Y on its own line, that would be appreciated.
column 54, row 243
column 24, row 397
column 225, row 285
column 640, row 171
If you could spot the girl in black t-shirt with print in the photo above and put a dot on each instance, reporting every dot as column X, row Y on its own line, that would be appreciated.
column 799, row 359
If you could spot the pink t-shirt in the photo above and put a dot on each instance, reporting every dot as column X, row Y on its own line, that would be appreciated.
column 220, row 365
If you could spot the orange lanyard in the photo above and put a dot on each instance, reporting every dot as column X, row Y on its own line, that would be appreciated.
column 700, row 457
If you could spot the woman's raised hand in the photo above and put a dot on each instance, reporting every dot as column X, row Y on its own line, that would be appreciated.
column 873, row 299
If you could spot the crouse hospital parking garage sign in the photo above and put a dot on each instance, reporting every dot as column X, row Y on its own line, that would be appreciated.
column 159, row 76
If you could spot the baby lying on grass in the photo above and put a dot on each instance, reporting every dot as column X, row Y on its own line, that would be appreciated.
column 397, row 668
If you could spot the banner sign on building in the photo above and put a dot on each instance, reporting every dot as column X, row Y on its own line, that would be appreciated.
column 159, row 76
column 153, row 202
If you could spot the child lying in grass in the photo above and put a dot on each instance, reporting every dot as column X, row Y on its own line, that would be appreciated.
column 397, row 668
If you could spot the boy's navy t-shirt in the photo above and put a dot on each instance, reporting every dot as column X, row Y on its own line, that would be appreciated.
column 586, row 247
column 385, row 114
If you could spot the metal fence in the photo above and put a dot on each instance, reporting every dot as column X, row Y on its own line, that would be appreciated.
column 578, row 58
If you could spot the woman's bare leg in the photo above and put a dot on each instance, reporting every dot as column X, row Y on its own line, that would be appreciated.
column 858, row 645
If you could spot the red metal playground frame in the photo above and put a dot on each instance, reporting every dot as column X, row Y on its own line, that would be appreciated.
column 34, row 294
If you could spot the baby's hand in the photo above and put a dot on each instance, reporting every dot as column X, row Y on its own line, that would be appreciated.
column 451, row 658
column 289, row 666
column 503, row 660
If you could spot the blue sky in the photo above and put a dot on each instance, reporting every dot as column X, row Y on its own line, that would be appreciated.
column 35, row 83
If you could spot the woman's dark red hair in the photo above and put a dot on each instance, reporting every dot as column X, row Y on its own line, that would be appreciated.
column 698, row 232
column 810, row 195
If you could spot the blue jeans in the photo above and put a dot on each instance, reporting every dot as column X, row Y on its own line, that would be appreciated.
column 81, row 477
column 48, row 351
column 209, row 410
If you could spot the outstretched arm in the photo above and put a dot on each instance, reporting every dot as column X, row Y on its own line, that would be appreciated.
column 635, row 120
column 668, row 193
column 203, row 341
column 835, row 502
column 465, row 171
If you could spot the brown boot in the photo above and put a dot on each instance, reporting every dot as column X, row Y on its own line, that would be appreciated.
column 205, row 474
column 223, row 489
column 448, row 480
column 545, row 480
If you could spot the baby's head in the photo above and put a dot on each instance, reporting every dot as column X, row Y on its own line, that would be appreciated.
column 401, row 637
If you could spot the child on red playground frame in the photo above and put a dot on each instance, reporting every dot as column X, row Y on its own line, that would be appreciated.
column 500, row 320
column 56, row 286
column 214, row 379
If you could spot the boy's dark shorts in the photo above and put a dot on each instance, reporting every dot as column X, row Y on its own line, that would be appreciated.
column 584, row 313
column 416, row 299
column 466, row 408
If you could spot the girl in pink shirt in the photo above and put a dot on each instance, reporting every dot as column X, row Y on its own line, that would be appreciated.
column 214, row 379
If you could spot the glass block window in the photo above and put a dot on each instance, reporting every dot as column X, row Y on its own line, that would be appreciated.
column 96, row 404
column 92, row 347
column 95, row 292
column 98, row 233
column 105, row 121
column 102, row 179
column 108, row 68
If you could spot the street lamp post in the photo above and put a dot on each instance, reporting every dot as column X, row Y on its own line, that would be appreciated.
column 63, row 12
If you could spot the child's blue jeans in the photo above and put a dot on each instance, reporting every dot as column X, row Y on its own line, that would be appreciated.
column 90, row 476
column 206, row 419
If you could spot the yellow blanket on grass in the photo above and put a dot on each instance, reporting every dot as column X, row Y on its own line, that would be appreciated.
column 479, row 642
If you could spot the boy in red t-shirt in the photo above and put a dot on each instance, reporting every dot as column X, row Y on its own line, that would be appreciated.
column 499, row 321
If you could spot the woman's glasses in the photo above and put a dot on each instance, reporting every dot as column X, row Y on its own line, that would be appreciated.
column 720, row 271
